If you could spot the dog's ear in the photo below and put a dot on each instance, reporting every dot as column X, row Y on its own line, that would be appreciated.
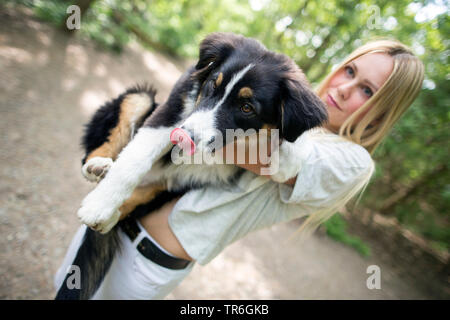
column 300, row 108
column 214, row 49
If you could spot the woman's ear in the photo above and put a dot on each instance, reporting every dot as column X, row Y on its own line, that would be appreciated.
column 300, row 108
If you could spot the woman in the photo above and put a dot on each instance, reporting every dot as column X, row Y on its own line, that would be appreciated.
column 365, row 96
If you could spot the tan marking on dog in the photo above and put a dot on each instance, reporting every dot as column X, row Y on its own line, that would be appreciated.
column 139, row 196
column 245, row 93
column 132, row 109
column 219, row 79
column 199, row 97
column 269, row 126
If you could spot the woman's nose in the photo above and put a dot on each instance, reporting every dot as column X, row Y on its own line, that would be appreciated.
column 344, row 89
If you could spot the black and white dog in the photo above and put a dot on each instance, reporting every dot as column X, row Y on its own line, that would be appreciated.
column 236, row 84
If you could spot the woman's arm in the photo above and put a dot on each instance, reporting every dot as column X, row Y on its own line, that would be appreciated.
column 256, row 168
column 262, row 162
column 157, row 225
column 206, row 220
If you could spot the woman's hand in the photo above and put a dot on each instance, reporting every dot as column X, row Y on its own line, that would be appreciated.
column 256, row 160
column 256, row 168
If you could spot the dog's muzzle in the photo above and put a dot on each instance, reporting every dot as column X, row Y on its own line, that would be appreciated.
column 181, row 138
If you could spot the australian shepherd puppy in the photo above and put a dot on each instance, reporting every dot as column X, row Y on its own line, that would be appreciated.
column 130, row 143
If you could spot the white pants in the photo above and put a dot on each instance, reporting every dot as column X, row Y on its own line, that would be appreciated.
column 131, row 275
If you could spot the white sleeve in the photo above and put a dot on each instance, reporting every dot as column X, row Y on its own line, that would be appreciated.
column 331, row 170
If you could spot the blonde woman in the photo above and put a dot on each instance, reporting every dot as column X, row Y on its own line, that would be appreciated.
column 365, row 96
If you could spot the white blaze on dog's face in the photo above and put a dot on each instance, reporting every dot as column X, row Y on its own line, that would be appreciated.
column 202, row 125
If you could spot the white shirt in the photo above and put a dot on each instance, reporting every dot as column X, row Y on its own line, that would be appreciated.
column 331, row 170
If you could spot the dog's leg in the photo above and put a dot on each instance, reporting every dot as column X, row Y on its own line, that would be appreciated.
column 140, row 196
column 99, row 210
column 133, row 109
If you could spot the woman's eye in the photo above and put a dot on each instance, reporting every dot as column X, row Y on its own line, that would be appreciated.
column 349, row 71
column 246, row 108
column 368, row 92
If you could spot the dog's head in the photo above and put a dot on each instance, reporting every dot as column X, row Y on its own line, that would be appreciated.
column 242, row 85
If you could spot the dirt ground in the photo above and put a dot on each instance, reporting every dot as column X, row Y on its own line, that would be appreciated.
column 49, row 86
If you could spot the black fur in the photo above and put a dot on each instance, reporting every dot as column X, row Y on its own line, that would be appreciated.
column 95, row 248
column 282, row 94
column 170, row 112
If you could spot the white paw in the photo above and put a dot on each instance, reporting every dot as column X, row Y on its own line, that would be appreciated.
column 96, row 168
column 98, row 215
column 284, row 163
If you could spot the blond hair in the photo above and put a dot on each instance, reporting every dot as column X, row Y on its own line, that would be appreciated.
column 388, row 104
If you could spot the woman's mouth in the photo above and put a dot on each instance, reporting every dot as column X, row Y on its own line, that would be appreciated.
column 332, row 102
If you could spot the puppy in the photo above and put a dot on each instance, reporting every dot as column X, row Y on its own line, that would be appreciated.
column 236, row 84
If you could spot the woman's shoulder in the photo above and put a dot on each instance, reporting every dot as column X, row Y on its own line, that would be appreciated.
column 325, row 144
column 332, row 169
column 322, row 152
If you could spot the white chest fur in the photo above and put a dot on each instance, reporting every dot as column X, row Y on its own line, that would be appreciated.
column 174, row 176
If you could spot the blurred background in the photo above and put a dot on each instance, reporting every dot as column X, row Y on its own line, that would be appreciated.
column 53, row 79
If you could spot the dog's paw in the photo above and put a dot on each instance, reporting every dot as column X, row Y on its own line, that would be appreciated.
column 98, row 219
column 96, row 168
column 98, row 211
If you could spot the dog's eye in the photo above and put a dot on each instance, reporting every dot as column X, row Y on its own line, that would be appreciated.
column 246, row 108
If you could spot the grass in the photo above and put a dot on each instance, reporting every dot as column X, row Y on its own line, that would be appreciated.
column 336, row 228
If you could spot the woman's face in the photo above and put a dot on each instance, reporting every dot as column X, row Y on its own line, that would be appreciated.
column 353, row 85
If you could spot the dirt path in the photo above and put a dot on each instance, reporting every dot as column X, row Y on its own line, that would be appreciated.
column 49, row 86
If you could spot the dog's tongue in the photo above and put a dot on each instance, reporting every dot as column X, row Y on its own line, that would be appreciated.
column 181, row 138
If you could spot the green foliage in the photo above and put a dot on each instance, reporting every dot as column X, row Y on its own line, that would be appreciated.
column 419, row 142
column 317, row 35
column 52, row 11
column 336, row 228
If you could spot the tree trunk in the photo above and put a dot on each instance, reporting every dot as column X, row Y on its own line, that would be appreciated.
column 404, row 194
column 142, row 36
column 297, row 15
column 84, row 5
